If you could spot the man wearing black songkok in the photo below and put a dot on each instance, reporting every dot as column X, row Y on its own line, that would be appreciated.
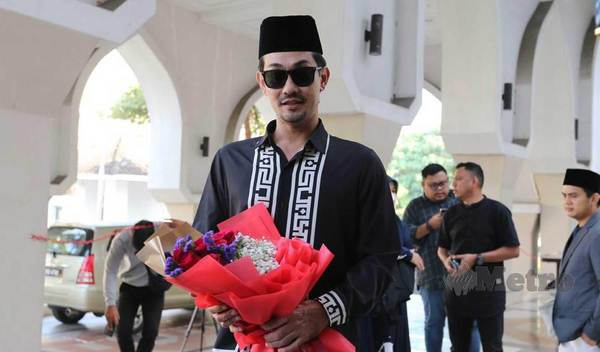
column 576, row 314
column 322, row 189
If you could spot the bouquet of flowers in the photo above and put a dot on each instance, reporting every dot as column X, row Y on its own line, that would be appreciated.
column 246, row 265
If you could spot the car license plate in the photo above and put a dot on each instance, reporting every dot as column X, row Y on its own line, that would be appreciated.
column 53, row 271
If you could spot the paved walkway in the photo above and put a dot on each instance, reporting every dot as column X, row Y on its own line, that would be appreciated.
column 524, row 330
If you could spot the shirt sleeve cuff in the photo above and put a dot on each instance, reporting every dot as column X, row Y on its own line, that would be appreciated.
column 334, row 307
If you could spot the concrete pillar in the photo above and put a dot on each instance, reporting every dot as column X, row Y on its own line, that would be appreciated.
column 378, row 134
column 500, row 174
column 555, row 226
column 182, row 211
column 24, row 193
column 554, row 102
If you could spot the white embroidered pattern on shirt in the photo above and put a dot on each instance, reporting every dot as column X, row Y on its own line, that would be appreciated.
column 304, row 195
column 334, row 307
column 264, row 183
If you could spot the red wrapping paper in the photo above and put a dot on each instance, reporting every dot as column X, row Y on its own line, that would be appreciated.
column 258, row 298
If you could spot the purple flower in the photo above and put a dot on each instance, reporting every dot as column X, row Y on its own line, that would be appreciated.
column 208, row 240
column 171, row 268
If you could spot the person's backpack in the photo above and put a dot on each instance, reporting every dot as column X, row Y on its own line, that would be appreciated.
column 142, row 231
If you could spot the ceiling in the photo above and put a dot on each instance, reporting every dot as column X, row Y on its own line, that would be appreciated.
column 244, row 17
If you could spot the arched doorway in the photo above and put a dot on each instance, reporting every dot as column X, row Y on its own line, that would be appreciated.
column 250, row 117
column 418, row 145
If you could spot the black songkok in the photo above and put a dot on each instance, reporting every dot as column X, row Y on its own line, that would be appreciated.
column 583, row 178
column 288, row 33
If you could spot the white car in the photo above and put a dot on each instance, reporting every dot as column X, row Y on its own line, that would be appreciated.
column 74, row 273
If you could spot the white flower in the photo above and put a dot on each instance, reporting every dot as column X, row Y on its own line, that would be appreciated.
column 262, row 253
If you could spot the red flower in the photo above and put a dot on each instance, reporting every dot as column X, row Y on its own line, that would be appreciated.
column 224, row 237
column 200, row 247
column 178, row 255
column 188, row 260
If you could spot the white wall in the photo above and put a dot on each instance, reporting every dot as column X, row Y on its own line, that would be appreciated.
column 112, row 198
column 211, row 70
column 24, row 166
column 514, row 16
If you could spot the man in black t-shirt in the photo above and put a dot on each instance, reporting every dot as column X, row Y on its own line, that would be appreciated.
column 476, row 236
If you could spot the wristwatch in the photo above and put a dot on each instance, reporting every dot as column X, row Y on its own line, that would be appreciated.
column 479, row 260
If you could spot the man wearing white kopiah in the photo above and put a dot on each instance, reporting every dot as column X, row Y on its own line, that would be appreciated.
column 576, row 315
column 319, row 188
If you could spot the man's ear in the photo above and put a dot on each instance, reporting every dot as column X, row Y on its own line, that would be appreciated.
column 595, row 198
column 325, row 73
column 261, row 82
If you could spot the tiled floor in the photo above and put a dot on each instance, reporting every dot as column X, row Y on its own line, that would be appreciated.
column 524, row 330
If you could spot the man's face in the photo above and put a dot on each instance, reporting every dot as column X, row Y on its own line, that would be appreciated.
column 436, row 187
column 577, row 204
column 292, row 103
column 464, row 183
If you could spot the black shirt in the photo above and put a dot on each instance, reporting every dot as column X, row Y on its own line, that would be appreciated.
column 333, row 192
column 478, row 228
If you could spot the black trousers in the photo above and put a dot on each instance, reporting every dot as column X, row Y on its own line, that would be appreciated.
column 130, row 298
column 491, row 330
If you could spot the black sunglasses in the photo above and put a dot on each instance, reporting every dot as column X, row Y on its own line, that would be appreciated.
column 302, row 77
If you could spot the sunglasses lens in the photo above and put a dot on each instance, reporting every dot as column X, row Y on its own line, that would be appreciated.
column 303, row 76
column 275, row 79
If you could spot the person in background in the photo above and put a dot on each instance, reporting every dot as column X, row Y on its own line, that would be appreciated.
column 476, row 237
column 576, row 317
column 387, row 329
column 423, row 218
column 140, row 287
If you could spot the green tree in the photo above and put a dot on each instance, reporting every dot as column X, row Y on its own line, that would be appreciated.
column 131, row 106
column 412, row 153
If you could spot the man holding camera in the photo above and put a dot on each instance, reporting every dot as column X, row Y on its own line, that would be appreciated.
column 475, row 238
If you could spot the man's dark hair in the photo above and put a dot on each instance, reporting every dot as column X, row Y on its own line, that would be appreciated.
column 474, row 169
column 319, row 59
column 142, row 230
column 393, row 182
column 432, row 169
column 590, row 193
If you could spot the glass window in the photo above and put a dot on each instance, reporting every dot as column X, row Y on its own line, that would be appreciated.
column 69, row 234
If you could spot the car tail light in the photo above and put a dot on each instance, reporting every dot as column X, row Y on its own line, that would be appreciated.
column 86, row 272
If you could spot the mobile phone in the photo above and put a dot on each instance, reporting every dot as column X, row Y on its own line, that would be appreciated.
column 454, row 263
column 443, row 210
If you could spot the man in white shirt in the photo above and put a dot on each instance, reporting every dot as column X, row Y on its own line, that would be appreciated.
column 140, row 286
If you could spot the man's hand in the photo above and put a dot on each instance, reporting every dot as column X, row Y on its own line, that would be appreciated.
column 174, row 223
column 111, row 313
column 436, row 221
column 224, row 315
column 289, row 333
column 417, row 261
column 467, row 261
column 588, row 340
column 449, row 268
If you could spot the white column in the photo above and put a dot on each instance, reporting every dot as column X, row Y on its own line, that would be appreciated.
column 24, row 193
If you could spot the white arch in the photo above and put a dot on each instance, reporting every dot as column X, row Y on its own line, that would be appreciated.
column 165, row 176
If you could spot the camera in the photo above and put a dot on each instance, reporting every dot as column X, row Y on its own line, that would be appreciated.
column 443, row 210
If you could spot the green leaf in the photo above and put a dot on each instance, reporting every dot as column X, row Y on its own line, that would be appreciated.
column 131, row 106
